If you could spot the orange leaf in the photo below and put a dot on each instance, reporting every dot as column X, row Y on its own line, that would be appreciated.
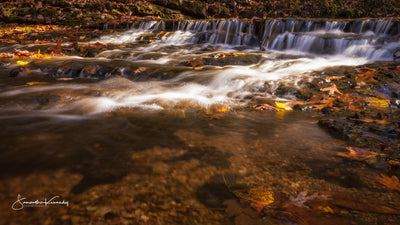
column 357, row 153
column 390, row 182
column 394, row 163
column 222, row 110
column 366, row 75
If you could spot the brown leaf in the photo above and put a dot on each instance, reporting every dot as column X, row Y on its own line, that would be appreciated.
column 265, row 107
column 332, row 90
column 390, row 182
column 352, row 202
column 366, row 75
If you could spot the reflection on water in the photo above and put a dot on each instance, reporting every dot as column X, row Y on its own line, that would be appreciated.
column 154, row 168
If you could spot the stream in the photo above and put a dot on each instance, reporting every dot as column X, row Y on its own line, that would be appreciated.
column 156, row 129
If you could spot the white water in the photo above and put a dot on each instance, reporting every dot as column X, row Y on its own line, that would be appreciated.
column 294, row 49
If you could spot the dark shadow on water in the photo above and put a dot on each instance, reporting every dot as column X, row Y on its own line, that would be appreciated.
column 206, row 156
column 214, row 192
column 335, row 172
column 98, row 149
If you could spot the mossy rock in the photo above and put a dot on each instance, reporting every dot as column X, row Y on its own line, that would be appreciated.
column 25, row 11
column 15, row 19
column 61, row 3
column 93, row 16
column 71, row 22
column 48, row 12
column 95, row 5
column 195, row 9
column 225, row 12
column 109, row 5
column 7, row 11
column 141, row 10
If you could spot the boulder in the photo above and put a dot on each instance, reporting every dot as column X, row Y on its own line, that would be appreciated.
column 195, row 9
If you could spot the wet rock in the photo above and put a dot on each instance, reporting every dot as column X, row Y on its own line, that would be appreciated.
column 96, row 72
column 241, row 59
column 287, row 92
column 40, row 18
column 19, row 72
column 66, row 71
column 390, row 132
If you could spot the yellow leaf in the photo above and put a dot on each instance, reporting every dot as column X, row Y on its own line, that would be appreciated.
column 199, row 68
column 327, row 209
column 376, row 102
column 36, row 82
column 22, row 63
column 258, row 199
column 282, row 106
column 222, row 110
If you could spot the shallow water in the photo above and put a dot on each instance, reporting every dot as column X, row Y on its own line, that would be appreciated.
column 140, row 140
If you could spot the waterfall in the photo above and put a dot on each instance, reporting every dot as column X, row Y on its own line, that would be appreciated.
column 373, row 38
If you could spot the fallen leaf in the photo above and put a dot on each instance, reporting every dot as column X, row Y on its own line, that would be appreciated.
column 332, row 90
column 193, row 63
column 265, row 107
column 390, row 182
column 357, row 153
column 394, row 163
column 22, row 63
column 377, row 102
column 199, row 68
column 65, row 78
column 36, row 83
column 258, row 199
column 368, row 120
column 222, row 110
column 140, row 70
column 366, row 75
column 282, row 106
column 360, row 204
column 326, row 209
column 335, row 77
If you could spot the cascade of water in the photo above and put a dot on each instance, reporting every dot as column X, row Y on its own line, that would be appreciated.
column 309, row 36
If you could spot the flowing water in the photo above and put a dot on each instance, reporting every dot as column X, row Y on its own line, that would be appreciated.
column 132, row 135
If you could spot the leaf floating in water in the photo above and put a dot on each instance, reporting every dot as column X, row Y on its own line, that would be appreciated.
column 65, row 78
column 390, row 182
column 22, row 63
column 282, row 106
column 140, row 70
column 265, row 107
column 377, row 102
column 394, row 163
column 357, row 153
column 326, row 209
column 258, row 199
column 356, row 203
column 332, row 90
column 222, row 110
column 335, row 78
column 36, row 83
column 366, row 75
column 199, row 68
